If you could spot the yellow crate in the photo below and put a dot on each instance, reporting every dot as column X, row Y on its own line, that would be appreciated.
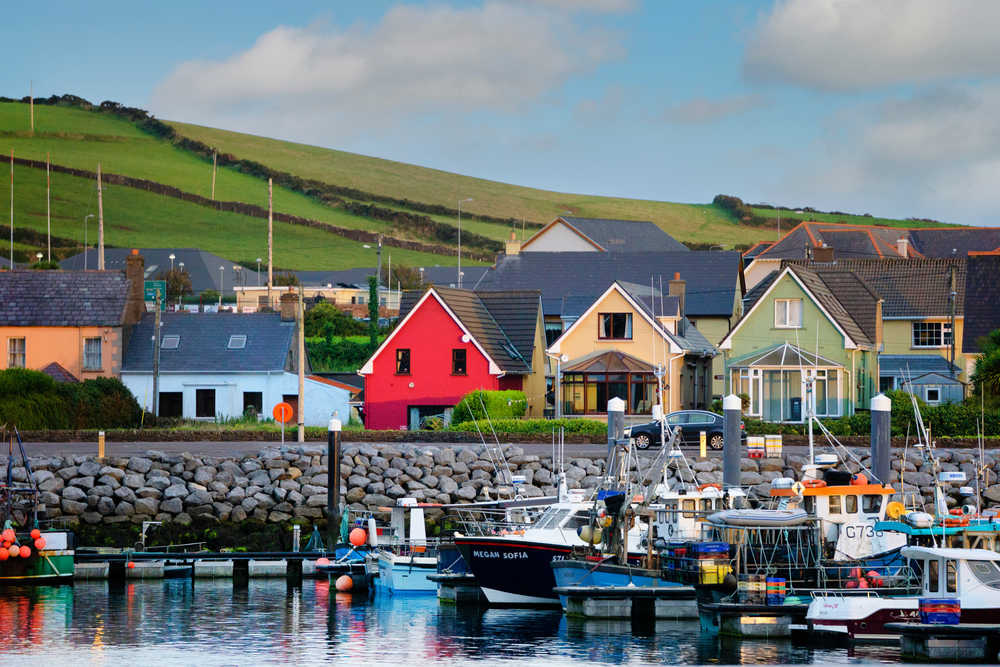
column 714, row 574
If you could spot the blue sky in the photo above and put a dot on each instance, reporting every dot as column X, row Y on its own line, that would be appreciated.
column 891, row 108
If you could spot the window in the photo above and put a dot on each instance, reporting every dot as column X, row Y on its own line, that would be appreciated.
column 204, row 403
column 951, row 576
column 170, row 342
column 237, row 342
column 986, row 571
column 680, row 418
column 871, row 504
column 788, row 313
column 402, row 361
column 171, row 404
column 688, row 506
column 835, row 504
column 253, row 400
column 931, row 576
column 15, row 353
column 552, row 331
column 931, row 334
column 92, row 354
column 615, row 326
column 851, row 504
column 458, row 362
column 551, row 518
column 886, row 383
column 932, row 395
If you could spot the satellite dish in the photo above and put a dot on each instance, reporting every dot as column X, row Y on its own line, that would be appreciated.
column 466, row 338
column 564, row 358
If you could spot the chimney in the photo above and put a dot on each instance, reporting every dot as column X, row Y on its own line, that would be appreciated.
column 677, row 288
column 289, row 302
column 135, row 273
column 513, row 246
column 903, row 246
column 823, row 253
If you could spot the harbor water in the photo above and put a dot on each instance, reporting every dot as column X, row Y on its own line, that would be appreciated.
column 180, row 622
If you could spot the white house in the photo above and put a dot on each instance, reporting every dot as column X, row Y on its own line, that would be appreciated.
column 216, row 366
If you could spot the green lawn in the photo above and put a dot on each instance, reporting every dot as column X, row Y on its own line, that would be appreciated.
column 794, row 218
column 138, row 218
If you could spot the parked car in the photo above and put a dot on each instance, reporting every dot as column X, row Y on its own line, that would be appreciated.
column 692, row 423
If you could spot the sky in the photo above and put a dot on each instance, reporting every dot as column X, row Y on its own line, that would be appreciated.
column 890, row 107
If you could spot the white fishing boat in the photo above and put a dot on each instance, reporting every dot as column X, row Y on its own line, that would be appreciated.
column 401, row 561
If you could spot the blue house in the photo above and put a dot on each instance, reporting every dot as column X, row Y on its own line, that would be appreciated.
column 223, row 365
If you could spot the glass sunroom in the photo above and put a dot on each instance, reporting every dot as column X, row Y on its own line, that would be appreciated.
column 777, row 381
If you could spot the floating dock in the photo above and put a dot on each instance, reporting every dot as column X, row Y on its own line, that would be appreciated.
column 964, row 642
column 238, row 566
column 460, row 588
column 751, row 620
column 639, row 603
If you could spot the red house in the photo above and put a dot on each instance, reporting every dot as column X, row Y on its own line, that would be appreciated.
column 452, row 341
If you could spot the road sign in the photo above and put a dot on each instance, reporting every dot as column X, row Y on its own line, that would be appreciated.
column 798, row 488
column 149, row 289
column 282, row 413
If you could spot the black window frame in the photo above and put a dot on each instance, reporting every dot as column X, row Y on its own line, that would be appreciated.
column 200, row 403
column 403, row 361
column 459, row 361
column 254, row 399
column 171, row 404
column 626, row 326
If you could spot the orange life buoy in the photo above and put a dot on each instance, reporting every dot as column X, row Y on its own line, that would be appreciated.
column 711, row 485
column 859, row 479
column 963, row 521
column 956, row 511
column 813, row 483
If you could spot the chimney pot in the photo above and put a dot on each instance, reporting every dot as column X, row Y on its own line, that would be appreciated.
column 903, row 246
column 677, row 288
column 677, row 275
column 289, row 301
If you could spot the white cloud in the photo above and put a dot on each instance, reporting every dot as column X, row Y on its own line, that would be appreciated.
column 704, row 110
column 605, row 6
column 855, row 44
column 935, row 154
column 499, row 56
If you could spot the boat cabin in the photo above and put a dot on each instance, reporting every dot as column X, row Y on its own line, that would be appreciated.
column 679, row 514
column 973, row 575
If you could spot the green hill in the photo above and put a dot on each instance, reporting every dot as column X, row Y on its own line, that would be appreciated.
column 323, row 186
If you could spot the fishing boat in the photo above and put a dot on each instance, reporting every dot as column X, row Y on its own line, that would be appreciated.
column 30, row 552
column 970, row 577
column 400, row 560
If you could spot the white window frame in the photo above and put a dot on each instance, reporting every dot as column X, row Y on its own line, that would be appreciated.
column 88, row 364
column 944, row 335
column 12, row 361
column 782, row 306
column 237, row 342
column 928, row 389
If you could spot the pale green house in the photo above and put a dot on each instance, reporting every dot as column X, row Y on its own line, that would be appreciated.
column 806, row 340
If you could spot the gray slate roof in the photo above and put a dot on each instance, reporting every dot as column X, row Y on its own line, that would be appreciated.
column 204, row 338
column 687, row 337
column 62, row 298
column 503, row 322
column 914, row 288
column 846, row 299
column 625, row 235
column 982, row 300
column 433, row 275
column 713, row 278
column 914, row 365
column 202, row 266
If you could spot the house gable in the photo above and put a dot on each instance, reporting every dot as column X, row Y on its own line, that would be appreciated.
column 560, row 236
column 433, row 304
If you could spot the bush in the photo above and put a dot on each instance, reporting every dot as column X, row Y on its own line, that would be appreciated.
column 539, row 426
column 337, row 356
column 326, row 320
column 499, row 405
column 33, row 400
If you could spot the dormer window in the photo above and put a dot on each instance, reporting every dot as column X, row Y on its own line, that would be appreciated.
column 170, row 342
column 237, row 342
column 615, row 326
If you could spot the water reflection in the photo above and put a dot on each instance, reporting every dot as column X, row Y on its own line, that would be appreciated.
column 180, row 622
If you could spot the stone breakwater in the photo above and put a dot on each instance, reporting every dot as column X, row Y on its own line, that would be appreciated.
column 279, row 485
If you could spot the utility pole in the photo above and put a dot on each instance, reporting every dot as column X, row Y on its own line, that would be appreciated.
column 11, row 209
column 378, row 270
column 156, row 356
column 214, row 155
column 302, row 367
column 100, row 221
column 270, row 244
column 48, row 204
column 31, row 104
column 952, row 297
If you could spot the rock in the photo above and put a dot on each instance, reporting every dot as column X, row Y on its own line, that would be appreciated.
column 139, row 464
column 278, row 517
column 183, row 519
column 90, row 469
column 992, row 493
column 91, row 517
column 74, row 493
column 238, row 514
column 125, row 493
column 354, row 495
column 703, row 466
column 124, row 509
column 468, row 492
column 204, row 474
column 146, row 506
column 172, row 505
column 86, row 482
column 466, row 456
column 67, row 473
column 447, row 485
column 159, row 483
column 73, row 507
column 175, row 491
column 249, row 504
column 116, row 473
column 105, row 505
column 317, row 501
column 102, row 490
column 395, row 491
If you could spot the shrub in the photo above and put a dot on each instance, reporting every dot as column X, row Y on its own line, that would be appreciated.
column 33, row 400
column 325, row 319
column 499, row 405
column 537, row 426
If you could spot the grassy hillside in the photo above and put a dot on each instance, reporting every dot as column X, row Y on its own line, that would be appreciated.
column 137, row 218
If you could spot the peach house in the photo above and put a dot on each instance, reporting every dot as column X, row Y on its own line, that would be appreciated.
column 70, row 324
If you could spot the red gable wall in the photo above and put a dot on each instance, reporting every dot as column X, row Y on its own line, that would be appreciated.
column 430, row 334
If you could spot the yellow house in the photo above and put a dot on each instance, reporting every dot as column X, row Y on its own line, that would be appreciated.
column 620, row 347
column 69, row 323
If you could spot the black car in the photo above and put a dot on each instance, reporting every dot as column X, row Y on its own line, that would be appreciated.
column 692, row 423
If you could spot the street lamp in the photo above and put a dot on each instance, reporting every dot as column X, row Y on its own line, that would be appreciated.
column 560, row 359
column 89, row 216
column 421, row 276
column 39, row 256
column 460, row 202
column 222, row 284
column 259, row 260
column 179, row 297
column 172, row 258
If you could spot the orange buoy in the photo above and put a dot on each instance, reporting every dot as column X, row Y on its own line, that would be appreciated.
column 14, row 551
column 131, row 565
column 40, row 543
column 25, row 551
column 35, row 533
column 344, row 583
column 322, row 561
column 358, row 536
column 859, row 479
column 4, row 555
column 8, row 535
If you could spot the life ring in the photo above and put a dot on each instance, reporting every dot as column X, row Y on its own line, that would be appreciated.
column 710, row 485
column 963, row 521
column 813, row 483
column 957, row 511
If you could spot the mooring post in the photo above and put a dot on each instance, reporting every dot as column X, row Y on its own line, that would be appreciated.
column 616, row 425
column 881, row 406
column 732, row 407
column 333, row 481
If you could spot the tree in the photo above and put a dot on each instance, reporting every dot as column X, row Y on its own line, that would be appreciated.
column 407, row 276
column 178, row 283
column 987, row 374
column 286, row 279
column 326, row 320
column 372, row 312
